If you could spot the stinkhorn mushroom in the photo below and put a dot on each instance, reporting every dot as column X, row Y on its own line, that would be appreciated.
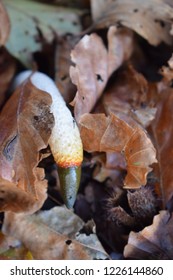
column 65, row 142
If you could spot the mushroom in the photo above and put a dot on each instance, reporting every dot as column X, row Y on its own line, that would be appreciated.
column 65, row 142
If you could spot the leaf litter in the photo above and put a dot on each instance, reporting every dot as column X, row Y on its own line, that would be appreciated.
column 122, row 102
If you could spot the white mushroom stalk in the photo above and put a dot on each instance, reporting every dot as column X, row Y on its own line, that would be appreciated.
column 65, row 142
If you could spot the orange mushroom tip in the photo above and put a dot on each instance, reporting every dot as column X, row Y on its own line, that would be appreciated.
column 68, row 164
column 69, row 183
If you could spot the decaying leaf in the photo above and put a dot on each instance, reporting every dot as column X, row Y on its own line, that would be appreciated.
column 93, row 66
column 151, row 18
column 46, row 242
column 153, row 242
column 26, row 124
column 4, row 25
column 112, row 134
column 29, row 18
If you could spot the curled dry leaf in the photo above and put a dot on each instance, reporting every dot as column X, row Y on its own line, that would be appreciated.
column 150, row 19
column 149, row 243
column 112, row 134
column 93, row 66
column 26, row 124
column 4, row 25
column 44, row 240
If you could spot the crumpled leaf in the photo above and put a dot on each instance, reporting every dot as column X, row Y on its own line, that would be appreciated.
column 46, row 242
column 93, row 66
column 26, row 124
column 151, row 18
column 29, row 18
column 112, row 134
column 4, row 25
column 153, row 242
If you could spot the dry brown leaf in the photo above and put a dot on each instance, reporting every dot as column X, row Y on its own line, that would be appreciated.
column 93, row 66
column 151, row 18
column 14, row 199
column 112, row 134
column 7, row 70
column 26, row 124
column 130, row 86
column 153, row 242
column 163, row 135
column 129, row 94
column 4, row 25
column 62, row 64
column 46, row 243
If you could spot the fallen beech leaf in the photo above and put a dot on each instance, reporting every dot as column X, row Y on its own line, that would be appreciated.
column 129, row 94
column 62, row 64
column 112, row 134
column 4, row 25
column 62, row 220
column 12, row 198
column 149, row 243
column 26, row 125
column 145, row 116
column 93, row 66
column 150, row 19
column 46, row 243
column 30, row 19
column 163, row 134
